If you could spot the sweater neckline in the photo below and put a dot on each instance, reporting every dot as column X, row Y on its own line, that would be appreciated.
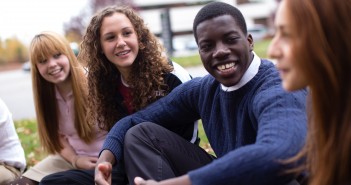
column 248, row 75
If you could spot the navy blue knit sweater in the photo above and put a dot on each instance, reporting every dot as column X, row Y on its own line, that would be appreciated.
column 249, row 129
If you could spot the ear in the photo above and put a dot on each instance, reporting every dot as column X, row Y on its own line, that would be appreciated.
column 250, row 41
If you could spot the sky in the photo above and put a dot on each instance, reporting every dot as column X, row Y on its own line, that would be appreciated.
column 25, row 18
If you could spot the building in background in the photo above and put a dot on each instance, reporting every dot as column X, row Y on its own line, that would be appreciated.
column 172, row 20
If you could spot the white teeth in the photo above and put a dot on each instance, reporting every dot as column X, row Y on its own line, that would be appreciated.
column 225, row 66
column 55, row 71
column 122, row 53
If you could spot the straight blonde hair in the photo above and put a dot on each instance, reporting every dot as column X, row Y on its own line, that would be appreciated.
column 42, row 46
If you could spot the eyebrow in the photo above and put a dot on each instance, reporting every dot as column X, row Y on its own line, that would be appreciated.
column 124, row 28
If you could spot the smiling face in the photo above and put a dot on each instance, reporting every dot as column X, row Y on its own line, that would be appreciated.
column 282, row 49
column 119, row 41
column 224, row 49
column 55, row 68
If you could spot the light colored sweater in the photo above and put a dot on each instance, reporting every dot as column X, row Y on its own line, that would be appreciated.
column 11, row 151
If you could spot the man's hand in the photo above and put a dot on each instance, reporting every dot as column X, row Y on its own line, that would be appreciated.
column 103, row 172
column 103, row 169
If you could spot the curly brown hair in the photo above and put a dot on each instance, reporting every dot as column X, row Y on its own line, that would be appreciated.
column 151, row 64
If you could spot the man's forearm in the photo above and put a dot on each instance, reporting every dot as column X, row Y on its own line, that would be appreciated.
column 107, row 156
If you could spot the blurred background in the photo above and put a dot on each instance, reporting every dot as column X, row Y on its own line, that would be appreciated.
column 170, row 20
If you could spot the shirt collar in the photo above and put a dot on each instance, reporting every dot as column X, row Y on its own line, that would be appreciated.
column 248, row 75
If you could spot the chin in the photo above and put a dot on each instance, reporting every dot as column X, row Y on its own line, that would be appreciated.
column 228, row 84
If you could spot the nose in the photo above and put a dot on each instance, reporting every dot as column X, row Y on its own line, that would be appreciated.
column 121, row 43
column 274, row 50
column 221, row 51
column 51, row 62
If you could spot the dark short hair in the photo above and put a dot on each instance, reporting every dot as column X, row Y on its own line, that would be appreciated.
column 215, row 9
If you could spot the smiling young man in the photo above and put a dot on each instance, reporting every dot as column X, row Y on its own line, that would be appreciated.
column 251, row 123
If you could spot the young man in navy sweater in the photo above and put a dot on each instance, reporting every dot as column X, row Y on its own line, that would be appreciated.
column 251, row 123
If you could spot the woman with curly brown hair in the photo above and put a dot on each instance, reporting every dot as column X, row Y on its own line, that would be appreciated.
column 122, row 54
column 128, row 70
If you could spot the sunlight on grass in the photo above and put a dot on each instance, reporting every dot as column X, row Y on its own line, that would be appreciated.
column 27, row 132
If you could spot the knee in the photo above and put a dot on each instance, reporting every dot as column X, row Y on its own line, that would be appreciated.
column 139, row 133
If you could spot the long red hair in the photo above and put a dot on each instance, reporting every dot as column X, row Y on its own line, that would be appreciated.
column 323, row 52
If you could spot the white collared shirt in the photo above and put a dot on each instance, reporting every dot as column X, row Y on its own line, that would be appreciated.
column 248, row 75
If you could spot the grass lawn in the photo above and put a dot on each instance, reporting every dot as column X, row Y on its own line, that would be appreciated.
column 27, row 132
column 27, row 129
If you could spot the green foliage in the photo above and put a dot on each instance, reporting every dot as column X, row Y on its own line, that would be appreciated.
column 13, row 50
column 28, row 135
column 260, row 49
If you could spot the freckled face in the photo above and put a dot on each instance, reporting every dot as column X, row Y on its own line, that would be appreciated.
column 55, row 68
column 224, row 49
column 119, row 41
column 281, row 49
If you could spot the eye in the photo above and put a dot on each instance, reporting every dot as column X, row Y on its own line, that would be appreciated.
column 204, row 47
column 57, row 55
column 127, row 33
column 42, row 61
column 285, row 34
column 109, row 37
column 232, row 39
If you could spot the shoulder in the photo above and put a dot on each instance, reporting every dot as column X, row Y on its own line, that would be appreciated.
column 267, row 87
column 176, row 77
column 199, row 86
column 4, row 111
column 179, row 72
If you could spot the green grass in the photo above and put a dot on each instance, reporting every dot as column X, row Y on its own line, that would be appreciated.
column 261, row 48
column 203, row 140
column 187, row 61
column 28, row 135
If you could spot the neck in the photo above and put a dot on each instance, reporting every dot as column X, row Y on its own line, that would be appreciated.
column 64, row 88
column 124, row 81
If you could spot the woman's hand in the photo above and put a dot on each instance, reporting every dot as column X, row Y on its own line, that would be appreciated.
column 84, row 162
